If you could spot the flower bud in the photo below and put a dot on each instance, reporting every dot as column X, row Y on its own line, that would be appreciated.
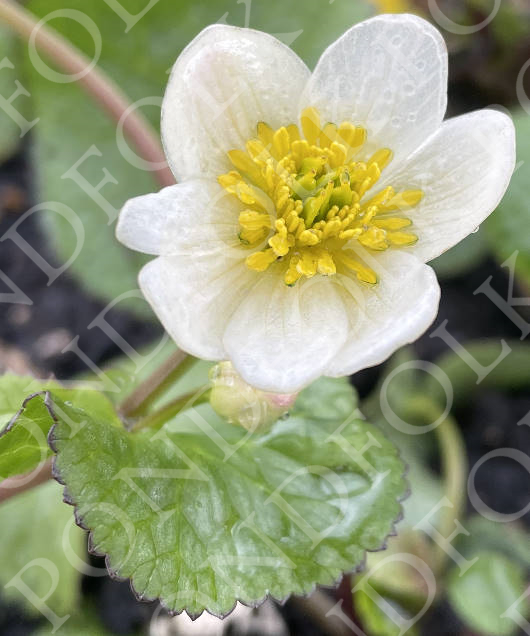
column 238, row 402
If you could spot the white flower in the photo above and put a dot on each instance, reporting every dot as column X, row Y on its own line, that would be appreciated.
column 295, row 259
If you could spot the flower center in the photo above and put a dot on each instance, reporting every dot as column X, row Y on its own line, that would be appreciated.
column 306, row 200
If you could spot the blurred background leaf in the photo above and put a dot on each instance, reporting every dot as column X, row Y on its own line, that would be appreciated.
column 38, row 525
column 507, row 228
column 509, row 539
column 84, row 623
column 483, row 593
column 462, row 257
column 375, row 615
column 11, row 48
column 511, row 20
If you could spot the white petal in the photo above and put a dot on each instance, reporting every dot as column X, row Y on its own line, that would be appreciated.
column 194, row 299
column 464, row 171
column 222, row 85
column 282, row 338
column 388, row 74
column 389, row 315
column 193, row 218
column 200, row 277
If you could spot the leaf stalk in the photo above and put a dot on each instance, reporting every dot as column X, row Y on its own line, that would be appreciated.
column 95, row 82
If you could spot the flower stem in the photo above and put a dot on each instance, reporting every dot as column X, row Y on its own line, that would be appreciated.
column 95, row 82
column 454, row 470
column 344, row 593
column 21, row 483
column 159, row 418
column 146, row 393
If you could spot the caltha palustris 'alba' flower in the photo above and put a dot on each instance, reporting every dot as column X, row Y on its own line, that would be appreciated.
column 295, row 242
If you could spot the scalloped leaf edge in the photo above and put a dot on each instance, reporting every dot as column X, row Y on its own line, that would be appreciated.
column 67, row 498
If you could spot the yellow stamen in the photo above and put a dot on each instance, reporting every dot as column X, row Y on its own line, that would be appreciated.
column 394, row 6
column 259, row 261
column 374, row 238
column 382, row 158
column 247, row 167
column 364, row 274
column 311, row 125
column 307, row 265
column 325, row 263
column 281, row 143
column 328, row 135
column 292, row 274
column 282, row 241
column 404, row 200
column 265, row 133
column 294, row 132
column 252, row 220
column 306, row 201
column 402, row 238
column 392, row 223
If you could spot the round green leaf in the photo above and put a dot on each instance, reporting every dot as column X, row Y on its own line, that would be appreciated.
column 202, row 514
column 327, row 398
column 486, row 591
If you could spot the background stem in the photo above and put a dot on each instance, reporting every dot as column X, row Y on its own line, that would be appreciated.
column 159, row 418
column 455, row 470
column 19, row 484
column 103, row 90
column 454, row 463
